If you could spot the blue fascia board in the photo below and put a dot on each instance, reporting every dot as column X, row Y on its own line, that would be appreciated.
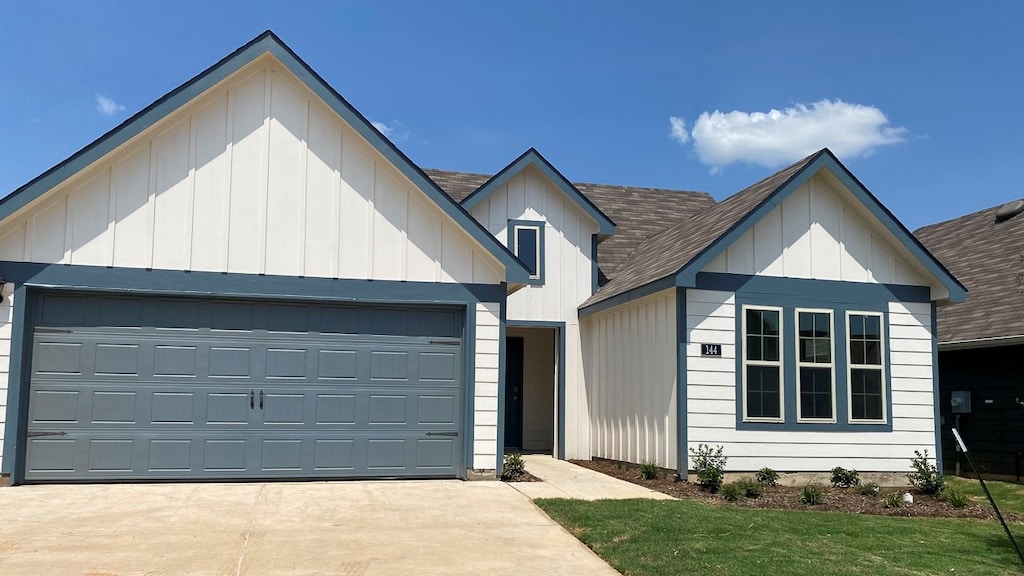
column 175, row 99
column 819, row 290
column 628, row 296
column 826, row 160
column 606, row 227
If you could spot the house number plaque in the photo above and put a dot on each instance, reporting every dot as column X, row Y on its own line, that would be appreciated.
column 710, row 349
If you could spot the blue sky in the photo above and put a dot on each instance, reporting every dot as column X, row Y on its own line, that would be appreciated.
column 917, row 99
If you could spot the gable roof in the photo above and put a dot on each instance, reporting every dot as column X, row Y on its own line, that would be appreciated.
column 639, row 213
column 532, row 157
column 267, row 42
column 986, row 256
column 685, row 249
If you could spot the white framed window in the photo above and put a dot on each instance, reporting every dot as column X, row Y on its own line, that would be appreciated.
column 527, row 243
column 815, row 365
column 866, row 367
column 763, row 398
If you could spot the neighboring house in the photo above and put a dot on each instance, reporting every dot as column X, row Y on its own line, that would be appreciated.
column 247, row 280
column 981, row 342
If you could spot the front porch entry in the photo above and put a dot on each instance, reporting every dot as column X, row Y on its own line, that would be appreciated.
column 531, row 388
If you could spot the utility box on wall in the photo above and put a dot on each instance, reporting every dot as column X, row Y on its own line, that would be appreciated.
column 961, row 402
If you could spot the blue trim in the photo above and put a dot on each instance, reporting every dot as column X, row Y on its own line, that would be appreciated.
column 502, row 366
column 511, row 232
column 629, row 296
column 820, row 290
column 534, row 158
column 686, row 276
column 935, row 388
column 175, row 99
column 560, row 327
column 682, row 425
column 789, row 300
column 17, row 403
column 594, row 240
column 469, row 402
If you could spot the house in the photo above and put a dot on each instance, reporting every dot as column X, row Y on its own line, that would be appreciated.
column 247, row 280
column 981, row 341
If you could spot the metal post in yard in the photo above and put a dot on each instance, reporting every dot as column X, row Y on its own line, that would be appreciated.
column 963, row 448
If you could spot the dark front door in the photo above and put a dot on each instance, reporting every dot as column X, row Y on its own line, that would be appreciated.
column 514, row 392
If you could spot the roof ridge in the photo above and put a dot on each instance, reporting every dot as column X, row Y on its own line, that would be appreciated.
column 578, row 183
column 965, row 216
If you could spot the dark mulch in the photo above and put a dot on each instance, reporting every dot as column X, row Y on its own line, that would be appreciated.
column 788, row 497
column 525, row 477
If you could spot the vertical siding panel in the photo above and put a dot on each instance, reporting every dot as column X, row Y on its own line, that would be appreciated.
column 212, row 186
column 285, row 174
column 826, row 214
column 855, row 248
column 499, row 214
column 12, row 244
column 389, row 222
column 559, row 266
column 248, row 175
column 322, row 164
column 92, row 242
column 356, row 205
column 172, row 218
column 881, row 261
column 720, row 263
column 796, row 222
column 516, row 187
column 768, row 244
column 47, row 233
column 423, row 251
column 457, row 257
column 131, row 187
column 741, row 254
column 535, row 194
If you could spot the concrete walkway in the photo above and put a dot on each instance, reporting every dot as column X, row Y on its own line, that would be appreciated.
column 562, row 479
column 336, row 528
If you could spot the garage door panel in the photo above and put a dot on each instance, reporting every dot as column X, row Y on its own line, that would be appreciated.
column 178, row 397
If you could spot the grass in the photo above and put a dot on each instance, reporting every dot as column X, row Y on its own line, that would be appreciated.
column 1009, row 496
column 659, row 538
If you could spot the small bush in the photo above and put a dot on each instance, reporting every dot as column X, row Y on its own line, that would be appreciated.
column 732, row 491
column 843, row 478
column 812, row 495
column 709, row 464
column 893, row 500
column 767, row 477
column 870, row 489
column 954, row 497
column 512, row 467
column 751, row 488
column 648, row 470
column 925, row 476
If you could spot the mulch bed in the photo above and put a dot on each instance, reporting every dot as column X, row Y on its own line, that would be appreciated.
column 525, row 477
column 788, row 497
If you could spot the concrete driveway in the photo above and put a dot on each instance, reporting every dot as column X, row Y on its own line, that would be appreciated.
column 364, row 528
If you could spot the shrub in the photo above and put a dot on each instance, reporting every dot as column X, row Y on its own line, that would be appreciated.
column 732, row 491
column 954, row 497
column 812, row 495
column 843, row 478
column 648, row 470
column 512, row 467
column 751, row 488
column 767, row 477
column 925, row 476
column 709, row 464
column 893, row 500
column 870, row 489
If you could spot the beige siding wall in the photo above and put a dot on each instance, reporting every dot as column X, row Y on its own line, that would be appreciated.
column 711, row 399
column 529, row 195
column 485, row 407
column 630, row 364
column 6, row 327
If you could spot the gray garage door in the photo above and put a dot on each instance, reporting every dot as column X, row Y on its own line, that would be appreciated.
column 160, row 388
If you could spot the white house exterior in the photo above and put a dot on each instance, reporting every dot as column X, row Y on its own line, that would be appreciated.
column 246, row 280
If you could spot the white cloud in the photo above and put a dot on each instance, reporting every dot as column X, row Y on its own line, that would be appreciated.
column 677, row 129
column 396, row 131
column 781, row 136
column 107, row 106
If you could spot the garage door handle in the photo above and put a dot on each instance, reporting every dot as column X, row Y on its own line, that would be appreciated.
column 261, row 399
column 252, row 398
column 445, row 342
column 442, row 433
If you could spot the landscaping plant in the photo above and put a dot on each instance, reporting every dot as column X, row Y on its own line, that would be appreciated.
column 512, row 467
column 767, row 477
column 925, row 476
column 709, row 464
column 843, row 478
column 954, row 497
column 893, row 500
column 732, row 491
column 648, row 470
column 751, row 488
column 812, row 495
column 870, row 489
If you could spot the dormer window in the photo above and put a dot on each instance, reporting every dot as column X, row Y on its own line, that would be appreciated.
column 526, row 239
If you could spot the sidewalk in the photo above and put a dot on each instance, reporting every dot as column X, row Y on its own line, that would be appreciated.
column 564, row 480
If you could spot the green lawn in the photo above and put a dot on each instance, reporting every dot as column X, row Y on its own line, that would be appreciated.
column 1009, row 496
column 651, row 537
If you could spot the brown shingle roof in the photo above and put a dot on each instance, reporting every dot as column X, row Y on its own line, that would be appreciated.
column 639, row 213
column 985, row 256
column 667, row 253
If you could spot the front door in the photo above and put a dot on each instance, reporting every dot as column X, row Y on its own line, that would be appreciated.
column 514, row 392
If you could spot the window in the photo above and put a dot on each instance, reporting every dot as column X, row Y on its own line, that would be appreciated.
column 762, row 364
column 866, row 377
column 527, row 243
column 815, row 368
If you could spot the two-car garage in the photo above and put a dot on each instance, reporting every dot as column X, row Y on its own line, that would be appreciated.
column 162, row 388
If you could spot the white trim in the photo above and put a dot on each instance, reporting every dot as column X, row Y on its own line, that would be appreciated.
column 831, row 365
column 515, row 239
column 850, row 366
column 989, row 342
column 777, row 364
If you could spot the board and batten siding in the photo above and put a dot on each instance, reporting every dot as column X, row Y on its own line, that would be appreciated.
column 630, row 363
column 257, row 176
column 815, row 233
column 711, row 398
column 568, row 270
